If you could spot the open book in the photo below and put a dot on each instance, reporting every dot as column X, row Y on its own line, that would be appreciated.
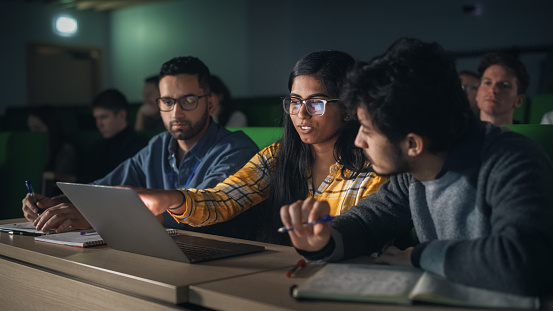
column 401, row 285
column 85, row 238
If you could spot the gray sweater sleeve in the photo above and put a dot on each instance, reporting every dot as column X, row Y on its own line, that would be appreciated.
column 367, row 227
column 515, row 191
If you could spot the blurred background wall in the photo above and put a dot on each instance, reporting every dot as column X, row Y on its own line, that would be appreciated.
column 253, row 44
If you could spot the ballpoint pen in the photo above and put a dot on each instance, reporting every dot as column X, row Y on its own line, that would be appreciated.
column 299, row 265
column 18, row 232
column 33, row 198
column 325, row 218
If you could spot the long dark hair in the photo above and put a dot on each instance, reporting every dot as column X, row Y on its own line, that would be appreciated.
column 294, row 157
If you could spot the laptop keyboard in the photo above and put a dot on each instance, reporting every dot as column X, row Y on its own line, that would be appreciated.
column 197, row 251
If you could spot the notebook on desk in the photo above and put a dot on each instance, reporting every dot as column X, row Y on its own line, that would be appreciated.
column 125, row 223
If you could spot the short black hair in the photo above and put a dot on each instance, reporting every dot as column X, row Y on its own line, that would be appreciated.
column 412, row 88
column 111, row 99
column 511, row 64
column 187, row 65
column 469, row 73
column 152, row 79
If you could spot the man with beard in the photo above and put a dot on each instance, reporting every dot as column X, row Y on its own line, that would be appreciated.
column 195, row 152
column 478, row 195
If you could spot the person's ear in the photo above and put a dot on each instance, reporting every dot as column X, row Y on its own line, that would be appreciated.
column 414, row 144
column 122, row 114
column 212, row 103
column 519, row 101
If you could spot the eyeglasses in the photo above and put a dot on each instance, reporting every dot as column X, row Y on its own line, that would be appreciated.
column 468, row 87
column 315, row 107
column 186, row 102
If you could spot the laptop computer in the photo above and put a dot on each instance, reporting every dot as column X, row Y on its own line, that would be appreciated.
column 125, row 223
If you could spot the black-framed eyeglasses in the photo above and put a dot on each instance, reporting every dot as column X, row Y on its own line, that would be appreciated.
column 314, row 106
column 186, row 102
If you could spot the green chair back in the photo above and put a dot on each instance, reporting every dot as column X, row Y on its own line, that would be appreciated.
column 262, row 136
column 22, row 157
column 539, row 106
column 261, row 111
column 540, row 133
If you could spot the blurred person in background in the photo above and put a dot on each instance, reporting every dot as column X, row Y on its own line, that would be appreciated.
column 470, row 82
column 148, row 117
column 225, row 112
column 110, row 109
column 503, row 83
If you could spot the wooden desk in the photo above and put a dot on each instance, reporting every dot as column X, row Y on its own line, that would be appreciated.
column 37, row 275
column 245, row 293
column 56, row 276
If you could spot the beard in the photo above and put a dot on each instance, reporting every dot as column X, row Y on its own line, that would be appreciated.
column 399, row 162
column 192, row 130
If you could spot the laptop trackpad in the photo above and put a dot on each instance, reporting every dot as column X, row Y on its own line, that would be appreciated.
column 201, row 249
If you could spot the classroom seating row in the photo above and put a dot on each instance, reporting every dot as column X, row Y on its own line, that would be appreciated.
column 260, row 111
column 533, row 109
column 22, row 156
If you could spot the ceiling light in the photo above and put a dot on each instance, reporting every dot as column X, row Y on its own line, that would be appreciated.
column 66, row 26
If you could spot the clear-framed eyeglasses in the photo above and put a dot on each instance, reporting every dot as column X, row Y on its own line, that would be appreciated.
column 186, row 102
column 315, row 107
column 468, row 87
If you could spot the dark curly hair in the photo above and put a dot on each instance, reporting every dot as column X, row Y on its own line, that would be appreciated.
column 412, row 88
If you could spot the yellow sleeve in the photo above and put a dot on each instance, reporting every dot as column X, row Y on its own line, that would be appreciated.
column 343, row 193
column 373, row 185
column 247, row 187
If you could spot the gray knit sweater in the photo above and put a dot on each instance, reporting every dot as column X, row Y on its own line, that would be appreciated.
column 486, row 221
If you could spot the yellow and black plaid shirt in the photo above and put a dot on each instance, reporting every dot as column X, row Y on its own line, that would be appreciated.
column 250, row 186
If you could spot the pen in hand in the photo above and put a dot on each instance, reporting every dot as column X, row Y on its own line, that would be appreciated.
column 33, row 198
column 325, row 218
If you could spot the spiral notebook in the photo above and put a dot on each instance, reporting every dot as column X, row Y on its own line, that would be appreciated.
column 86, row 238
column 78, row 239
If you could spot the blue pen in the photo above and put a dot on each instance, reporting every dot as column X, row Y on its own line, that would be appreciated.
column 325, row 218
column 32, row 193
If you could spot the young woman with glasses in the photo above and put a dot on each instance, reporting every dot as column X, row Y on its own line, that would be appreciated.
column 315, row 157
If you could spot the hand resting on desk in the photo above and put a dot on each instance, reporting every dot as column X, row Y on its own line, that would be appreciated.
column 58, row 214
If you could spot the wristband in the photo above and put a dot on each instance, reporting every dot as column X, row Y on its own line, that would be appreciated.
column 183, row 201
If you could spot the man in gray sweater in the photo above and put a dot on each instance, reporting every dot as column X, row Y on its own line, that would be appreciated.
column 479, row 197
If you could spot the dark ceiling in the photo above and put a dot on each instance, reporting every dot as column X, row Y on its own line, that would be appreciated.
column 96, row 5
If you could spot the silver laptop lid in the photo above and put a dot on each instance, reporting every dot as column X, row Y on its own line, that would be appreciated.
column 122, row 220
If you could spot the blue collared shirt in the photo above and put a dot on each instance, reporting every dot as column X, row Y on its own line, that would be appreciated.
column 218, row 154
